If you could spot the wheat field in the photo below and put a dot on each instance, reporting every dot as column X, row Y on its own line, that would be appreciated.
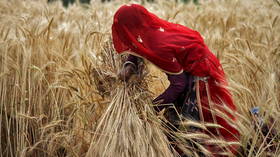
column 59, row 89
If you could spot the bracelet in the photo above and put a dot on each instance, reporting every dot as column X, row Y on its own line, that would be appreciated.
column 129, row 62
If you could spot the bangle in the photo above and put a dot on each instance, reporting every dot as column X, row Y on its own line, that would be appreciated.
column 131, row 63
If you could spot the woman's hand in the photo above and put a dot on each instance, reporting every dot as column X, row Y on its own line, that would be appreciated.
column 126, row 72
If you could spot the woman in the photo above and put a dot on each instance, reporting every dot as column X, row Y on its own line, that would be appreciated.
column 193, row 71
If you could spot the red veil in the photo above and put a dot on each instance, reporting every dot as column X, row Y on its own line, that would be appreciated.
column 175, row 48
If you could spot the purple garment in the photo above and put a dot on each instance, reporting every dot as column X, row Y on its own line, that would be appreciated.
column 176, row 88
column 178, row 84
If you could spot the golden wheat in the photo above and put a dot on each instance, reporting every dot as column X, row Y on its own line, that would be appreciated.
column 58, row 71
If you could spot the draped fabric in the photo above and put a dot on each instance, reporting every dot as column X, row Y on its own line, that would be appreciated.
column 175, row 48
column 161, row 42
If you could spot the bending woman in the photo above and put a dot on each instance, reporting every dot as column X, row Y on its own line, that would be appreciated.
column 193, row 70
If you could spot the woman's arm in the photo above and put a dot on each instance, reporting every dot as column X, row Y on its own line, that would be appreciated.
column 177, row 86
column 177, row 83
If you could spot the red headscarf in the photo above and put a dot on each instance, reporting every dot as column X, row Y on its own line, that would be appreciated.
column 171, row 47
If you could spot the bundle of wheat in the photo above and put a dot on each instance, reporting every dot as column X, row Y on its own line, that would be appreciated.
column 128, row 127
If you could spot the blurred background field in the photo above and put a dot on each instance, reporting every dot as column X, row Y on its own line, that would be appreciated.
column 57, row 67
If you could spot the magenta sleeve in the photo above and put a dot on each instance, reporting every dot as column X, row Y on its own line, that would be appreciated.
column 177, row 86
